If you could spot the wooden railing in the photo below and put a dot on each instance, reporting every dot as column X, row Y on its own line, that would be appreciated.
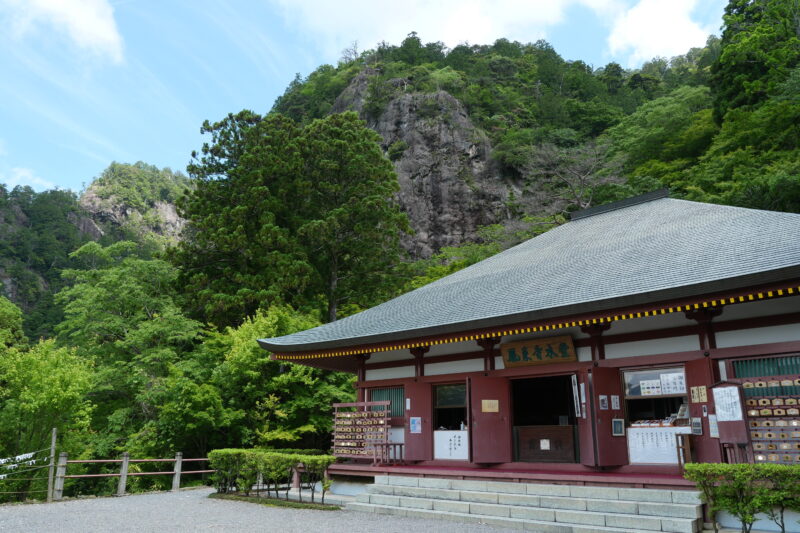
column 123, row 474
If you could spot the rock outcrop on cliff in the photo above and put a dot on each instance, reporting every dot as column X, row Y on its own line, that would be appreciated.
column 161, row 218
column 449, row 184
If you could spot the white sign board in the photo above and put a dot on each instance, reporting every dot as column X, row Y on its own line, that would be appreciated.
column 415, row 424
column 450, row 445
column 727, row 404
column 654, row 445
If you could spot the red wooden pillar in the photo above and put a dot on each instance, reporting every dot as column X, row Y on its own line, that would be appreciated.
column 361, row 375
column 489, row 351
column 595, row 332
column 419, row 364
column 705, row 328
column 703, row 373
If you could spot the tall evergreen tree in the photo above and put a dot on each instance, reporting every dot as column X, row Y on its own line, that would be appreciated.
column 287, row 215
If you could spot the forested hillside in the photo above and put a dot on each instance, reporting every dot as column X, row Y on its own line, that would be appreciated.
column 129, row 313
column 513, row 129
column 38, row 231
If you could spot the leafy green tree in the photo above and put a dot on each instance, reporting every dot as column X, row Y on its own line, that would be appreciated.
column 43, row 387
column 228, row 392
column 674, row 127
column 121, row 310
column 11, row 333
column 760, row 46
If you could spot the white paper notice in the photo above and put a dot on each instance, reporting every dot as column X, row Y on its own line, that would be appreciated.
column 713, row 428
column 654, row 445
column 673, row 383
column 544, row 444
column 615, row 402
column 727, row 404
column 576, row 398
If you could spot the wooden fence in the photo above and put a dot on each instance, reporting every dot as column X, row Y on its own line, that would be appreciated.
column 123, row 474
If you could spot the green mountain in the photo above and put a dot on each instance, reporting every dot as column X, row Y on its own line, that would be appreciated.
column 489, row 134
column 38, row 231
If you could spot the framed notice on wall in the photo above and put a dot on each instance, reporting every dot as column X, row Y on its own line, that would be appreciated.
column 727, row 404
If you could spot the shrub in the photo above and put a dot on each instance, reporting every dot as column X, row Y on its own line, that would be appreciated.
column 239, row 469
column 745, row 490
column 314, row 467
column 396, row 150
column 227, row 463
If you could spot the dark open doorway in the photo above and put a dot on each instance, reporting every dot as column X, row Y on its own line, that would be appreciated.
column 544, row 420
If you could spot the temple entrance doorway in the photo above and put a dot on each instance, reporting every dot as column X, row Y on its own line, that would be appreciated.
column 544, row 425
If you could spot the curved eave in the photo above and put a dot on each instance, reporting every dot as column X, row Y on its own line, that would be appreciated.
column 702, row 290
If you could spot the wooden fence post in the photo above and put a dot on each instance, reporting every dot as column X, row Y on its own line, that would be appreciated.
column 176, row 478
column 51, row 469
column 123, row 474
column 61, row 471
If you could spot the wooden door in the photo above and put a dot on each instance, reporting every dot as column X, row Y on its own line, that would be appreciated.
column 490, row 419
column 700, row 376
column 607, row 384
column 419, row 404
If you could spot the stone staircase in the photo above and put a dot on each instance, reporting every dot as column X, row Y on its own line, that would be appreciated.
column 534, row 507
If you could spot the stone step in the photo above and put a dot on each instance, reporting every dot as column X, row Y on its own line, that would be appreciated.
column 539, row 513
column 541, row 526
column 690, row 497
column 567, row 498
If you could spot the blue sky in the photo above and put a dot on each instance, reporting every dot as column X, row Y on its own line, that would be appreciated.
column 88, row 82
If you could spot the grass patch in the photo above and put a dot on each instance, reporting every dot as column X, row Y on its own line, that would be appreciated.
column 274, row 502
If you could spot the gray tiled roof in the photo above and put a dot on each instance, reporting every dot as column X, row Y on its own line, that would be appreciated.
column 649, row 252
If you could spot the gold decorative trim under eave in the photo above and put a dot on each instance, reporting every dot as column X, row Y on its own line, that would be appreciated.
column 502, row 332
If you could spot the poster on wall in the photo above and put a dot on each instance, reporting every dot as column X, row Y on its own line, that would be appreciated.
column 727, row 404
column 415, row 424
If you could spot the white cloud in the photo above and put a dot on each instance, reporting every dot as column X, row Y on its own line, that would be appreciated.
column 656, row 28
column 334, row 25
column 89, row 24
column 25, row 176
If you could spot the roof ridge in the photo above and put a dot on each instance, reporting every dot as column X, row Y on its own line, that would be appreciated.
column 620, row 204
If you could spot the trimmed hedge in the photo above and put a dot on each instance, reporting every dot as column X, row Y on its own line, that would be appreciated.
column 240, row 469
column 745, row 490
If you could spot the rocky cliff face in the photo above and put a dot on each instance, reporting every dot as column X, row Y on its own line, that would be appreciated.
column 108, row 212
column 449, row 185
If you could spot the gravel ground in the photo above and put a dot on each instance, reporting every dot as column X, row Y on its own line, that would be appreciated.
column 192, row 510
